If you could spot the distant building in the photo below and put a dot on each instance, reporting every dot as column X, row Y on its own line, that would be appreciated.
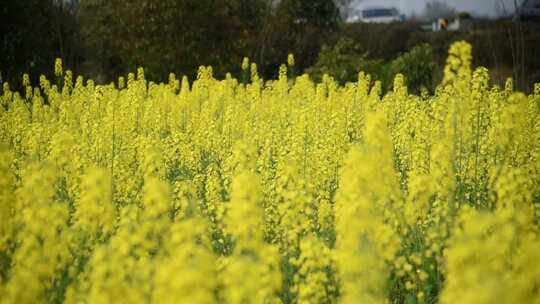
column 375, row 14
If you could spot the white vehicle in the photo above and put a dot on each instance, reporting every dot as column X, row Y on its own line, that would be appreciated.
column 376, row 15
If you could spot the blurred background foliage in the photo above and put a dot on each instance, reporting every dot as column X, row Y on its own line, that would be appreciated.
column 102, row 39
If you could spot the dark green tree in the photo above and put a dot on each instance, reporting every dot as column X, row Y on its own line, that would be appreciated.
column 169, row 35
column 299, row 27
column 33, row 33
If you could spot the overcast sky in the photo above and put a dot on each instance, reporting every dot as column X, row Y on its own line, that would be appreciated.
column 477, row 7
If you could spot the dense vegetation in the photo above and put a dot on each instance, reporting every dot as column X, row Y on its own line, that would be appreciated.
column 284, row 191
column 105, row 38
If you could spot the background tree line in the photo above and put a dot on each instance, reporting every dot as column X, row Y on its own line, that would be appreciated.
column 33, row 33
column 102, row 39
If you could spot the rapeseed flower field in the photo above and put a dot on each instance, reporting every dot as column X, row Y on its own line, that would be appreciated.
column 280, row 191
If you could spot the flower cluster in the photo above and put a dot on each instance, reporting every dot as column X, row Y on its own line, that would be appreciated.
column 269, row 191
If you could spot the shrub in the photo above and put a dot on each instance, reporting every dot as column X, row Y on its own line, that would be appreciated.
column 343, row 61
column 417, row 65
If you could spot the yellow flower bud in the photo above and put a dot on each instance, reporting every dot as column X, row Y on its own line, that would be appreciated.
column 245, row 63
column 58, row 69
column 25, row 80
column 290, row 60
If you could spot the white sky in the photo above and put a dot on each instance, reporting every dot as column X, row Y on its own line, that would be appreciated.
column 477, row 7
